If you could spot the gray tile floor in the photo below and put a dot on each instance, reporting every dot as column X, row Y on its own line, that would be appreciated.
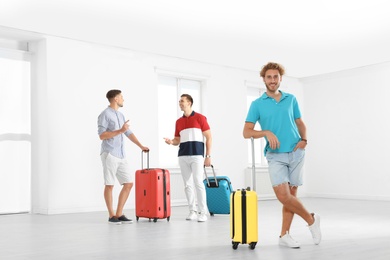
column 352, row 229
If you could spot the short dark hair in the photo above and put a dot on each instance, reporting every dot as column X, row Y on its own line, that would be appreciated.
column 112, row 93
column 272, row 66
column 188, row 97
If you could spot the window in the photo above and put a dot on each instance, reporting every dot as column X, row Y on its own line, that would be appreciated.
column 170, row 88
column 252, row 94
column 15, row 134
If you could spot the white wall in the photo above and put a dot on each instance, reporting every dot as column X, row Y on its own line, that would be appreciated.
column 347, row 115
column 345, row 112
column 70, row 83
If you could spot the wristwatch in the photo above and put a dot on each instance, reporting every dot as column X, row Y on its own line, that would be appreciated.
column 208, row 156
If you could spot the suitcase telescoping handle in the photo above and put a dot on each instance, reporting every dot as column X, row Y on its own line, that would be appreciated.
column 253, row 165
column 207, row 178
column 142, row 159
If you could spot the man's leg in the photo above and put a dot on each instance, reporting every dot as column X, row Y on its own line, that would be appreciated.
column 285, row 170
column 288, row 215
column 186, row 173
column 293, row 162
column 108, row 198
column 126, row 179
column 123, row 196
column 198, row 176
column 292, row 204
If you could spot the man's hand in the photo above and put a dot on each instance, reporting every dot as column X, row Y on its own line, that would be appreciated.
column 300, row 145
column 125, row 127
column 168, row 141
column 272, row 140
column 207, row 161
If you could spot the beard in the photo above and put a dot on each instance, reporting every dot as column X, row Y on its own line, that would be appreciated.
column 272, row 89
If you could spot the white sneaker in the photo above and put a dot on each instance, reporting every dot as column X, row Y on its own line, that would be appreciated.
column 288, row 241
column 315, row 229
column 192, row 215
column 202, row 217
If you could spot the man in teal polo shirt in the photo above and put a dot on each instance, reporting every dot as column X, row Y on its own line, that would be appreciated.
column 280, row 119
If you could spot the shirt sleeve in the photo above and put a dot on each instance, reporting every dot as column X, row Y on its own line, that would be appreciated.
column 128, row 132
column 297, row 111
column 253, row 114
column 102, row 124
column 177, row 130
column 204, row 124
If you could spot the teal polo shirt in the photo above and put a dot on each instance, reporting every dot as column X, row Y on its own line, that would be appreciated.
column 277, row 117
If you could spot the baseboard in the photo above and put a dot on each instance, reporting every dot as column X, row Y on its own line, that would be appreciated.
column 347, row 196
column 179, row 202
column 45, row 211
column 266, row 197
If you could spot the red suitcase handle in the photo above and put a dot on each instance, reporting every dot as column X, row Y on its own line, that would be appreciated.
column 142, row 159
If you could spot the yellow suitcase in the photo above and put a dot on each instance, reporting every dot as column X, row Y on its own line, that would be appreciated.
column 243, row 218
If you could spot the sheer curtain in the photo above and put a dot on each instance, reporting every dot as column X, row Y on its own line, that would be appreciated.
column 15, row 134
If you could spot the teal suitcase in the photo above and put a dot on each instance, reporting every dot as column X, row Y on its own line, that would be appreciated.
column 218, row 190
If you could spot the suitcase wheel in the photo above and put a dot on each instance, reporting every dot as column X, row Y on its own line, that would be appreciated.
column 168, row 219
column 211, row 214
column 235, row 245
column 137, row 218
column 252, row 245
column 155, row 220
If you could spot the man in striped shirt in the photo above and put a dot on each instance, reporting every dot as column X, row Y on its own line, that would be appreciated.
column 191, row 129
column 112, row 130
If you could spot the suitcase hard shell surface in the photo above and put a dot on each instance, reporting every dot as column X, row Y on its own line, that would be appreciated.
column 243, row 218
column 218, row 190
column 152, row 194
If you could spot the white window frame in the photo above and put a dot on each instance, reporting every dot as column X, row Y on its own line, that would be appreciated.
column 181, row 75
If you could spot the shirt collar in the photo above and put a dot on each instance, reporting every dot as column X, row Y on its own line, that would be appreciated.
column 111, row 109
column 284, row 95
column 192, row 113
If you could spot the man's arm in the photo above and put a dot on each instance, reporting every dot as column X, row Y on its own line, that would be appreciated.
column 302, row 132
column 249, row 131
column 301, row 128
column 134, row 139
column 209, row 142
column 175, row 141
column 111, row 134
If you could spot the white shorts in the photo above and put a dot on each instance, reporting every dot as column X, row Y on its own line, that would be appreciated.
column 113, row 166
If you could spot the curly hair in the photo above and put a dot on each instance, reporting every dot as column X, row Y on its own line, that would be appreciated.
column 272, row 66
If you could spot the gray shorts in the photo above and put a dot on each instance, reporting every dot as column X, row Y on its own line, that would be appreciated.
column 115, row 167
column 286, row 167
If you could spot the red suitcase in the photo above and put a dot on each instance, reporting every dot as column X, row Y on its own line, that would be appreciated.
column 152, row 193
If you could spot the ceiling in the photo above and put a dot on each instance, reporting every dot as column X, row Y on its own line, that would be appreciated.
column 308, row 37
